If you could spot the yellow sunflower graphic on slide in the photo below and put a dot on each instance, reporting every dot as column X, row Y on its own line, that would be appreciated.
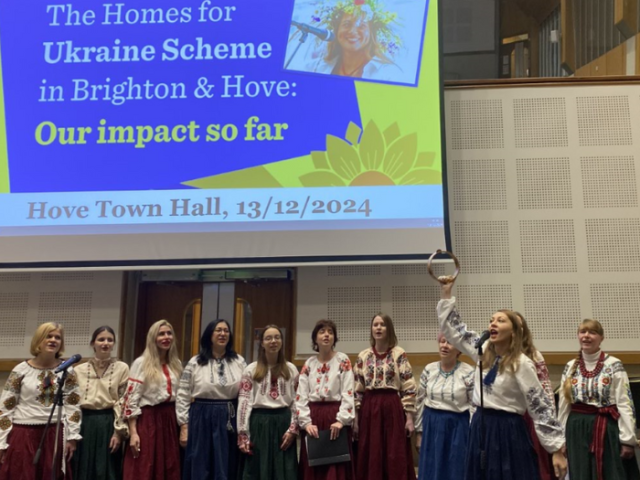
column 368, row 157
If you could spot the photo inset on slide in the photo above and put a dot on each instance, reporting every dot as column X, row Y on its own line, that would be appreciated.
column 363, row 39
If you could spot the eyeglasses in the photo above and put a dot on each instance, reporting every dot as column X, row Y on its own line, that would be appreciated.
column 221, row 330
column 277, row 338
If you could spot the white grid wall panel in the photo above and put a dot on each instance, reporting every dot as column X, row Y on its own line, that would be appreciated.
column 544, row 212
column 80, row 301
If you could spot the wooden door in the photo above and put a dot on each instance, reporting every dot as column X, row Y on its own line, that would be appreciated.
column 177, row 302
column 272, row 303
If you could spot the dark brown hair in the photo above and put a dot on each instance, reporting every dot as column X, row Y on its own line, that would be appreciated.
column 281, row 369
column 320, row 324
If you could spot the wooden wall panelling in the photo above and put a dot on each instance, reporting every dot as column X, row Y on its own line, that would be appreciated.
column 568, row 44
column 626, row 17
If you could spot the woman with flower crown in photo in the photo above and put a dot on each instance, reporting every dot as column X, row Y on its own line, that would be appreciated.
column 363, row 41
column 499, row 443
column 597, row 411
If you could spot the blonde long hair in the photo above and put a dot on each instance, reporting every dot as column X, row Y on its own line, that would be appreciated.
column 528, row 348
column 589, row 324
column 280, row 370
column 511, row 359
column 151, row 362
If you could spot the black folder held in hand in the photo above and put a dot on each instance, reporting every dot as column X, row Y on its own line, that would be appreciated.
column 324, row 451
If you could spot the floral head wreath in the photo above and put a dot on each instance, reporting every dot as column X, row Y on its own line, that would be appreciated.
column 368, row 10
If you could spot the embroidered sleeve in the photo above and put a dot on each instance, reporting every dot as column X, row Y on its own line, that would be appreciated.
column 469, row 383
column 455, row 330
column 624, row 402
column 133, row 393
column 8, row 402
column 302, row 397
column 295, row 379
column 358, row 376
column 346, row 413
column 245, row 405
column 549, row 431
column 543, row 375
column 563, row 405
column 183, row 396
column 422, row 395
column 407, row 383
column 71, row 405
column 120, row 426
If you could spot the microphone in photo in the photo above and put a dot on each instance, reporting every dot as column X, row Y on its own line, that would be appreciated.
column 67, row 363
column 326, row 35
column 483, row 338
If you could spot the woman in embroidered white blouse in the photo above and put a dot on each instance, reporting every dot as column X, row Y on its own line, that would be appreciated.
column 206, row 406
column 102, row 381
column 267, row 420
column 25, row 405
column 511, row 387
column 149, row 407
column 325, row 400
column 597, row 411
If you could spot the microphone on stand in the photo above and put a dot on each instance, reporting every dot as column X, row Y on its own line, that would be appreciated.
column 483, row 338
column 326, row 35
column 67, row 363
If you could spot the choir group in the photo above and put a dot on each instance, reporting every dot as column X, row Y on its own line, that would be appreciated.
column 238, row 421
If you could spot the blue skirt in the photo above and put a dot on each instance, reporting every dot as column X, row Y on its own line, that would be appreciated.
column 444, row 445
column 212, row 445
column 509, row 451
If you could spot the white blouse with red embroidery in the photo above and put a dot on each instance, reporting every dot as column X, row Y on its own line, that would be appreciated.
column 326, row 382
column 141, row 393
column 265, row 394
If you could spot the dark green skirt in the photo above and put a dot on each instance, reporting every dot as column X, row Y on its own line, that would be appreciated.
column 268, row 462
column 93, row 460
column 582, row 463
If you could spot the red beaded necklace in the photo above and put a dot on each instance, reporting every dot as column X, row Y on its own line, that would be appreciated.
column 596, row 371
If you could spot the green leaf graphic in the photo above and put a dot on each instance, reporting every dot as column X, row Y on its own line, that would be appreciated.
column 400, row 156
column 422, row 176
column 321, row 179
column 425, row 159
column 392, row 133
column 371, row 147
column 255, row 177
column 343, row 158
column 353, row 133
column 320, row 160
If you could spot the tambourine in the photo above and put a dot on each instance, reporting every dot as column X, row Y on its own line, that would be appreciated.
column 444, row 279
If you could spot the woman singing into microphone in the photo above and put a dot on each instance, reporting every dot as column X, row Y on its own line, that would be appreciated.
column 511, row 387
column 25, row 406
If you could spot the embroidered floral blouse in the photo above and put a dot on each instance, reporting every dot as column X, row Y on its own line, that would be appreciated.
column 511, row 393
column 28, row 396
column 326, row 382
column 105, row 391
column 219, row 379
column 451, row 391
column 141, row 393
column 609, row 387
column 280, row 393
column 388, row 370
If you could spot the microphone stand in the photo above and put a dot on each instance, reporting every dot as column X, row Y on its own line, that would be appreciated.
column 483, row 452
column 303, row 38
column 58, row 401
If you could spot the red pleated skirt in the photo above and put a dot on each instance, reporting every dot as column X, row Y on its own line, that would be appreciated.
column 23, row 443
column 323, row 414
column 384, row 451
column 159, row 457
column 545, row 463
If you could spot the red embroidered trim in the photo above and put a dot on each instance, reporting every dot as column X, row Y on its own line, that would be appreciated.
column 167, row 375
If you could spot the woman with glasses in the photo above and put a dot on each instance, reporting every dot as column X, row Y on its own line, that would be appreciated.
column 206, row 406
column 267, row 419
